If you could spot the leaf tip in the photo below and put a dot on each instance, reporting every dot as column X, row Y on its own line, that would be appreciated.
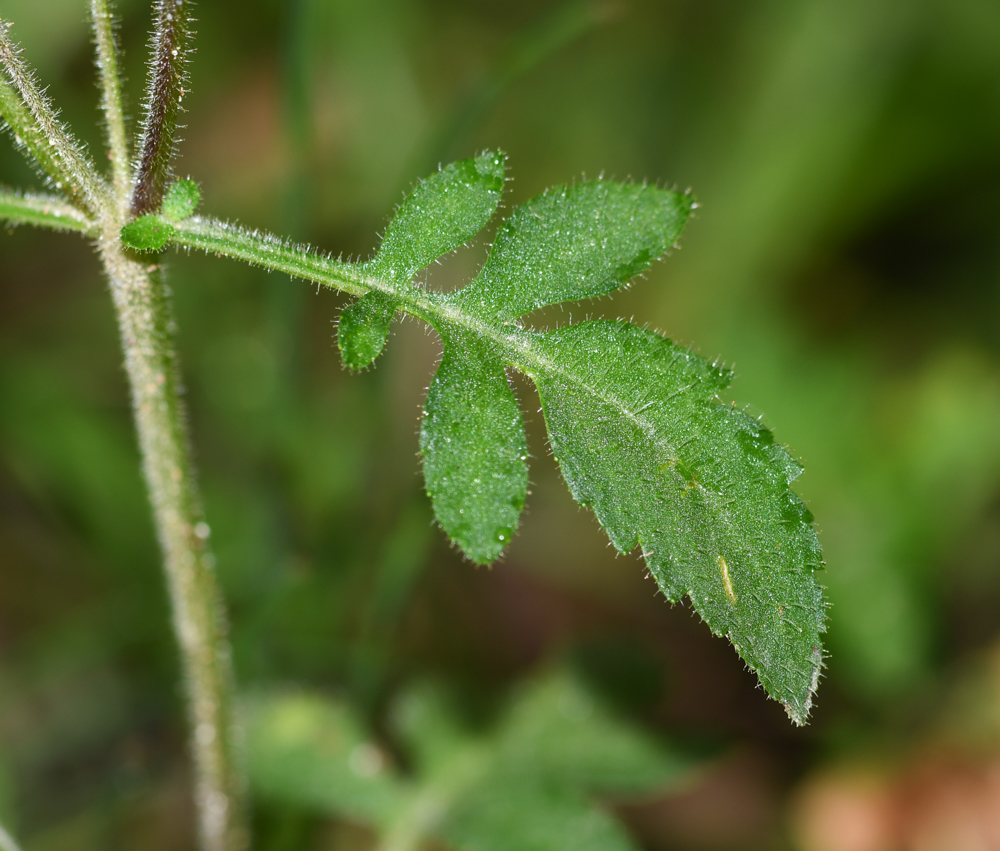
column 798, row 710
column 490, row 165
column 482, row 549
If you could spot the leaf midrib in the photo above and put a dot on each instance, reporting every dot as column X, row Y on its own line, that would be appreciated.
column 516, row 346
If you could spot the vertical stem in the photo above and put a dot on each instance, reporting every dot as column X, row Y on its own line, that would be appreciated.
column 111, row 95
column 141, row 301
column 146, row 328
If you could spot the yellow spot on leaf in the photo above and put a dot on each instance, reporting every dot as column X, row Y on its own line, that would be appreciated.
column 724, row 570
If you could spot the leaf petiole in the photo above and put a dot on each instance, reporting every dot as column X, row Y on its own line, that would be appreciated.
column 35, row 125
column 48, row 211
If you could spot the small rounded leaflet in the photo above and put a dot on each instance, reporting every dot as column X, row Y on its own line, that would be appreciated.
column 147, row 233
column 181, row 201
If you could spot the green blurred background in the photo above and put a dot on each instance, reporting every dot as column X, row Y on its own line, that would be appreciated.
column 845, row 257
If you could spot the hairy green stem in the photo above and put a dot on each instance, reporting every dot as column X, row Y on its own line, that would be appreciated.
column 142, row 307
column 141, row 302
column 36, row 126
column 48, row 211
column 111, row 96
column 269, row 252
column 29, row 138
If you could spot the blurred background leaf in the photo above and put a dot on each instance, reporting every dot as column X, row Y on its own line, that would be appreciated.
column 520, row 783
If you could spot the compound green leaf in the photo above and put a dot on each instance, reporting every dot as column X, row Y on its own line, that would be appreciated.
column 574, row 243
column 634, row 420
column 474, row 448
column 566, row 244
column 636, row 426
column 524, row 783
column 702, row 488
column 441, row 214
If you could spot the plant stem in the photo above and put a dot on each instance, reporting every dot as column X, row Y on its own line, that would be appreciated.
column 49, row 211
column 111, row 95
column 145, row 324
column 36, row 126
column 141, row 301
column 171, row 37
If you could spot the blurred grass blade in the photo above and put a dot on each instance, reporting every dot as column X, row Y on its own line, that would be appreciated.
column 554, row 30
column 35, row 125
column 404, row 558
column 7, row 842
